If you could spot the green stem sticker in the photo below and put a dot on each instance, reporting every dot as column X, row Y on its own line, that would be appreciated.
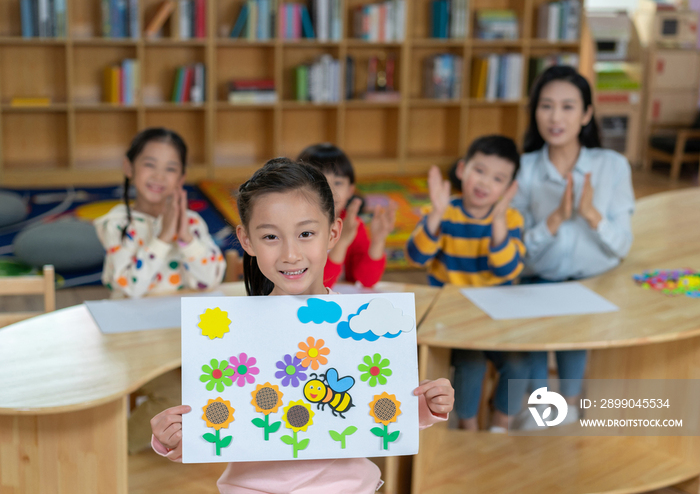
column 218, row 441
column 384, row 434
column 295, row 443
column 266, row 426
column 341, row 437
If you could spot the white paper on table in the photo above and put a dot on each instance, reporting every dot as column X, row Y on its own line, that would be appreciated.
column 542, row 300
column 268, row 329
column 139, row 314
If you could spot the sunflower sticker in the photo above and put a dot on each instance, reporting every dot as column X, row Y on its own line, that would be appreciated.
column 385, row 408
column 298, row 417
column 218, row 414
column 267, row 398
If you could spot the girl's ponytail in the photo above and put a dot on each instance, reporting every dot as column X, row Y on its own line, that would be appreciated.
column 278, row 175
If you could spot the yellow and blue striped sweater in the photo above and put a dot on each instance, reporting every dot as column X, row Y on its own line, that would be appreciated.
column 461, row 253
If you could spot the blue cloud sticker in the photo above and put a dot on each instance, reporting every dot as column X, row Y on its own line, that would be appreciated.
column 319, row 311
column 375, row 320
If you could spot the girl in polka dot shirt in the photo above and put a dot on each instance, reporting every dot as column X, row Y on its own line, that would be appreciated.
column 157, row 245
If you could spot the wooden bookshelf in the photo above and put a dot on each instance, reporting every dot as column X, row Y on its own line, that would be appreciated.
column 78, row 139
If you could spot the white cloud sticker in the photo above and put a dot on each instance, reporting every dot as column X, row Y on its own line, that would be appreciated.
column 382, row 319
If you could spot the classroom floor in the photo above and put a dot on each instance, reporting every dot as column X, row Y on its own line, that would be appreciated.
column 148, row 473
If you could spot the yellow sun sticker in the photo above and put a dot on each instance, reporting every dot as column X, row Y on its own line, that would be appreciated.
column 214, row 323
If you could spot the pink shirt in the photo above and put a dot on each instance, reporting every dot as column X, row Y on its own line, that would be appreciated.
column 351, row 475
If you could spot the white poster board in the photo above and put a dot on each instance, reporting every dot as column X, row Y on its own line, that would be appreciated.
column 304, row 377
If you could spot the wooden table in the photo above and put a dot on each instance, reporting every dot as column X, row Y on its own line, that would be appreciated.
column 63, row 396
column 653, row 336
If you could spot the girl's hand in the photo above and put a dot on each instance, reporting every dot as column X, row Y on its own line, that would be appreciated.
column 439, row 395
column 167, row 427
column 171, row 219
column 439, row 197
column 563, row 212
column 184, row 234
column 585, row 207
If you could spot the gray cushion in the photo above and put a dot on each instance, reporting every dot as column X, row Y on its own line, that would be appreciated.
column 68, row 244
column 12, row 208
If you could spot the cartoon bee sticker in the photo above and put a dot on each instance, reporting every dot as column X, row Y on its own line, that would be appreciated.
column 327, row 389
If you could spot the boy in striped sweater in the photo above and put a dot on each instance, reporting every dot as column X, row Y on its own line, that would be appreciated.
column 475, row 239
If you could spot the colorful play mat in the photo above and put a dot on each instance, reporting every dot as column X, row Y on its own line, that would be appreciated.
column 409, row 193
column 671, row 281
column 60, row 219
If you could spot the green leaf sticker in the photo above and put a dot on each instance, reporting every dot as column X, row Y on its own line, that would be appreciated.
column 334, row 435
column 258, row 422
column 275, row 427
column 377, row 431
column 209, row 437
column 303, row 444
column 350, row 430
column 226, row 441
column 287, row 440
column 394, row 436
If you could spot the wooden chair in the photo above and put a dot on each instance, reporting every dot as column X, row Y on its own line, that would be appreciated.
column 675, row 144
column 234, row 266
column 29, row 285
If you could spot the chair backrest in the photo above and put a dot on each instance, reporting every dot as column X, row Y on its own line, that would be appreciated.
column 28, row 285
column 234, row 266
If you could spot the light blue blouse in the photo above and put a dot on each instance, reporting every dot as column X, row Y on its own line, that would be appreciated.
column 576, row 251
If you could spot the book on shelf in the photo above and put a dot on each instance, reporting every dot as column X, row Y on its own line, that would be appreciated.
column 30, row 101
column 318, row 81
column 559, row 21
column 121, row 83
column 380, row 22
column 349, row 77
column 256, row 20
column 497, row 77
column 153, row 28
column 191, row 22
column 120, row 18
column 540, row 64
column 448, row 19
column 497, row 24
column 442, row 76
column 43, row 18
column 189, row 85
column 252, row 91
column 295, row 22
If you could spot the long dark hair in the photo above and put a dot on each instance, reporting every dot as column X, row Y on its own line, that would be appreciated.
column 157, row 134
column 589, row 135
column 277, row 175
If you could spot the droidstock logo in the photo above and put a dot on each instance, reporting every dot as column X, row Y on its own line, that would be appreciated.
column 543, row 397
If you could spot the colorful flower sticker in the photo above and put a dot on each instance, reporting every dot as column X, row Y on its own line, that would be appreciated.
column 267, row 398
column 298, row 417
column 244, row 370
column 385, row 408
column 312, row 353
column 375, row 370
column 217, row 374
column 218, row 414
column 290, row 371
column 214, row 323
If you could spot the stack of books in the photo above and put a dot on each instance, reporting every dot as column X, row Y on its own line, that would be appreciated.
column 192, row 22
column 327, row 16
column 449, row 18
column 380, row 21
column 256, row 20
column 252, row 91
column 120, row 18
column 319, row 81
column 540, row 64
column 497, row 77
column 43, row 18
column 559, row 20
column 442, row 76
column 496, row 24
column 121, row 83
column 189, row 84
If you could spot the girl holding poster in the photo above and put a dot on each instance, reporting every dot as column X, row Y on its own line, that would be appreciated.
column 288, row 225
